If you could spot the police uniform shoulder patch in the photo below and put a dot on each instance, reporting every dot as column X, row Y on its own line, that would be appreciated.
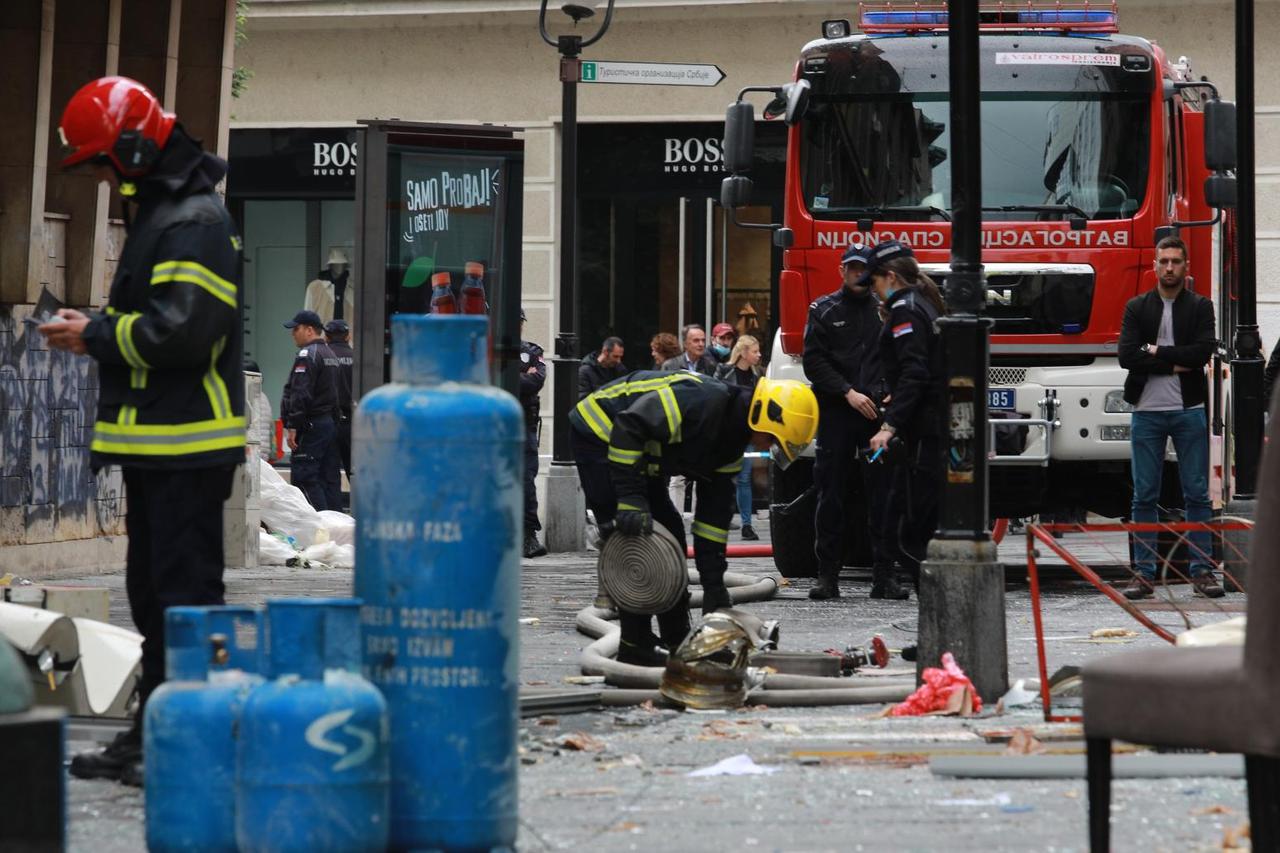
column 304, row 353
column 900, row 329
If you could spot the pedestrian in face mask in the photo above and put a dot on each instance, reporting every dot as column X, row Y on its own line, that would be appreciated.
column 722, row 338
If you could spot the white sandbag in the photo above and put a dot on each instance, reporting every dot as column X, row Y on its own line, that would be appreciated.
column 331, row 554
column 340, row 526
column 272, row 551
column 285, row 509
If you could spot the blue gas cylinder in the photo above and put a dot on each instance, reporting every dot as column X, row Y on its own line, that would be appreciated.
column 312, row 754
column 438, row 456
column 189, row 758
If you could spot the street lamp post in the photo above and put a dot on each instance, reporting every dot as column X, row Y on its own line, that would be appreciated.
column 564, row 499
column 962, row 581
column 1247, row 364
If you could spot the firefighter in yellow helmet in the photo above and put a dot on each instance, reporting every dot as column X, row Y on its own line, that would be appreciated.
column 633, row 433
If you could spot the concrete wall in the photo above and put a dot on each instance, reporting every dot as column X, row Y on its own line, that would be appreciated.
column 59, row 243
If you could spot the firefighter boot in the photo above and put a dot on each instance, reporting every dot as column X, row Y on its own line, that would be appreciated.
column 112, row 761
column 637, row 644
column 884, row 584
column 826, row 586
column 532, row 547
column 673, row 625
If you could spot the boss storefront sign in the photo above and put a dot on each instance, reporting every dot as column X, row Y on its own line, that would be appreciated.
column 662, row 157
column 293, row 162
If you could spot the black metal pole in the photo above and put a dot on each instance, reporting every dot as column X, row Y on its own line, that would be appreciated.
column 962, row 581
column 964, row 330
column 566, row 360
column 1246, row 364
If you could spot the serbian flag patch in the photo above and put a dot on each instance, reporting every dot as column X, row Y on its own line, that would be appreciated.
column 901, row 329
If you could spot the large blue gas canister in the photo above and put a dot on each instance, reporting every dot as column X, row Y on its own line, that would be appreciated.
column 438, row 506
column 212, row 661
column 312, row 754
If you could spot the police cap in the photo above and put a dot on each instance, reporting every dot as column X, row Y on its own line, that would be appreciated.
column 881, row 254
column 305, row 318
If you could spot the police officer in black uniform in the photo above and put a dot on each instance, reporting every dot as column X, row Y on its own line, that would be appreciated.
column 308, row 407
column 337, row 335
column 841, row 360
column 911, row 353
column 533, row 375
column 631, row 435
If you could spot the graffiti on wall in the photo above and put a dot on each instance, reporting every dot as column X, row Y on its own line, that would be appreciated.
column 48, row 399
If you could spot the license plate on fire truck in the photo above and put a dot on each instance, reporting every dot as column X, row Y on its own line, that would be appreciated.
column 1001, row 398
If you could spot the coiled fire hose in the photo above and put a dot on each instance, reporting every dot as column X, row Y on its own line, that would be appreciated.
column 640, row 683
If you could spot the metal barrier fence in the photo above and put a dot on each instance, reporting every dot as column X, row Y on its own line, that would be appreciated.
column 1175, row 551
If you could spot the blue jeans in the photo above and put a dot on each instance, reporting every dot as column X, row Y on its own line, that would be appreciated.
column 744, row 489
column 1149, row 432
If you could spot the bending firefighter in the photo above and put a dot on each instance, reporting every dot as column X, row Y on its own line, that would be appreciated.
column 631, row 435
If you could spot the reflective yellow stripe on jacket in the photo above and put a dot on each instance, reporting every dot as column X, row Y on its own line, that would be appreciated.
column 124, row 341
column 199, row 275
column 136, row 439
column 214, row 387
column 602, row 425
column 710, row 532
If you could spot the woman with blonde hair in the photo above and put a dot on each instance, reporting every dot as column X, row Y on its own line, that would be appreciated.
column 743, row 369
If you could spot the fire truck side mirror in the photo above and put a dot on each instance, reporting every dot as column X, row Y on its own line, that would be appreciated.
column 784, row 238
column 1219, row 135
column 797, row 101
column 739, row 137
column 1220, row 191
column 735, row 192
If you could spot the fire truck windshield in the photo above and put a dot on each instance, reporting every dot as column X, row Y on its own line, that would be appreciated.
column 1044, row 155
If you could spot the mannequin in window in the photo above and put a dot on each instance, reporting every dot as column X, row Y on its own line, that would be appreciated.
column 331, row 294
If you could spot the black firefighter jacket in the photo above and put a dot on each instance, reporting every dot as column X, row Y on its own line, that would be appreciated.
column 169, row 347
column 1193, row 343
column 675, row 423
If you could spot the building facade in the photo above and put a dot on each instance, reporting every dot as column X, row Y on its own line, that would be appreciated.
column 60, row 236
column 655, row 250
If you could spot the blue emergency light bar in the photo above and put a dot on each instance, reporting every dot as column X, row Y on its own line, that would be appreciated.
column 1078, row 17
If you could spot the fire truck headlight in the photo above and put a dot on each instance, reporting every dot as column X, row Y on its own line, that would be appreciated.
column 1115, row 404
column 836, row 29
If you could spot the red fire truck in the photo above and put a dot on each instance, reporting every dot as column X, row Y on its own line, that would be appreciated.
column 1092, row 143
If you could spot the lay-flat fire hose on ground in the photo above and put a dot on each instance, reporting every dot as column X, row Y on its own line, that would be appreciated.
column 779, row 689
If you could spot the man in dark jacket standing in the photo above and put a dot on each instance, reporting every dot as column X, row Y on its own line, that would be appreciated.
column 337, row 335
column 1166, row 339
column 842, row 362
column 169, row 353
column 533, row 375
column 309, row 408
column 600, row 368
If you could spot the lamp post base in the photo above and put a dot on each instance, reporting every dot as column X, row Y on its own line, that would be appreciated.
column 566, row 510
column 962, row 612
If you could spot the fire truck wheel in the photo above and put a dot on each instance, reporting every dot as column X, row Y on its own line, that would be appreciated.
column 791, row 510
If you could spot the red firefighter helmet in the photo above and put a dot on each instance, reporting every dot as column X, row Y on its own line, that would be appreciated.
column 117, row 119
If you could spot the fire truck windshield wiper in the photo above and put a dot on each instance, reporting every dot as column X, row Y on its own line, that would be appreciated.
column 884, row 211
column 1039, row 208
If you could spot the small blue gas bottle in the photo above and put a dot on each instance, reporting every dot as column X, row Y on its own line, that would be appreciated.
column 312, row 755
column 438, row 506
column 189, row 756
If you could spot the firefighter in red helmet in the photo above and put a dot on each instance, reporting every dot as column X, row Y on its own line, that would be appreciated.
column 169, row 353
